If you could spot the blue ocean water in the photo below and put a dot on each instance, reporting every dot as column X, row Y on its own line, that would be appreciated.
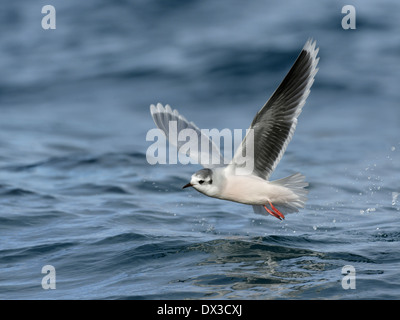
column 76, row 190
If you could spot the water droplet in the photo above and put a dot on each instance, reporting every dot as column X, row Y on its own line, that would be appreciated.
column 395, row 195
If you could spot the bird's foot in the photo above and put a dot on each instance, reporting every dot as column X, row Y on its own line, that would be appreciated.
column 274, row 212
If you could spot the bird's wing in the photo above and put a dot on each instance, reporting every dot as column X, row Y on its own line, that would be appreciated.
column 202, row 150
column 274, row 125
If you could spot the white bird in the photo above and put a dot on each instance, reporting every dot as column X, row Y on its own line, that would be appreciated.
column 273, row 128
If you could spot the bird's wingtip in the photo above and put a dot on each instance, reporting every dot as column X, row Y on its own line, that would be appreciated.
column 311, row 47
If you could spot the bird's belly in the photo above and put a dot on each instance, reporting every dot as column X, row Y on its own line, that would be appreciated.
column 248, row 190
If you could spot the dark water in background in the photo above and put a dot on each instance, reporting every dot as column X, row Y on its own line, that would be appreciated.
column 76, row 191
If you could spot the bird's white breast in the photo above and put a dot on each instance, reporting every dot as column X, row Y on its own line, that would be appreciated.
column 253, row 190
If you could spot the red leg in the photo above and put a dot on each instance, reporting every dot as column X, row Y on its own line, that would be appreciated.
column 273, row 213
column 280, row 214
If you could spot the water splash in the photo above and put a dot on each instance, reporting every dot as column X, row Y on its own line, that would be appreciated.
column 395, row 195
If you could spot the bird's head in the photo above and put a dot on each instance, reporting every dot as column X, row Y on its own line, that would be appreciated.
column 202, row 181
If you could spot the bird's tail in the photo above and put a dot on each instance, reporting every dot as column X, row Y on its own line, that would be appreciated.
column 295, row 183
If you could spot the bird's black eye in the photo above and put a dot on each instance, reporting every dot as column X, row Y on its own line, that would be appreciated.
column 201, row 181
column 210, row 181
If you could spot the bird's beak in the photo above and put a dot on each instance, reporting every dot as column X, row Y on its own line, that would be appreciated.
column 187, row 185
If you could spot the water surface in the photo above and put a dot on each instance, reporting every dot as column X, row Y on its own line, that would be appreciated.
column 77, row 193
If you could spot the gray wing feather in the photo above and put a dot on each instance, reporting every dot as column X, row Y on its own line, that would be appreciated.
column 162, row 117
column 274, row 125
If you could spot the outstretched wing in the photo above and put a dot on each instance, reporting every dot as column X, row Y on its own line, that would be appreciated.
column 275, row 123
column 202, row 151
